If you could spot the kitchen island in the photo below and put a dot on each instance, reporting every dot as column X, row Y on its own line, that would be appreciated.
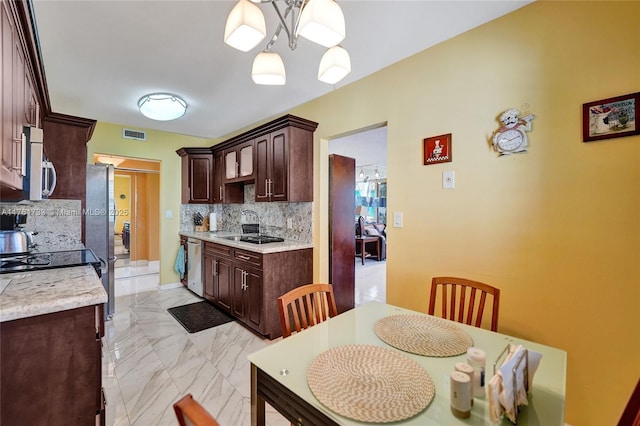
column 246, row 279
column 51, row 323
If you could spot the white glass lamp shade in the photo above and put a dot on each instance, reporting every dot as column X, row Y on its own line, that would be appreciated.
column 268, row 69
column 245, row 26
column 322, row 22
column 334, row 65
column 162, row 106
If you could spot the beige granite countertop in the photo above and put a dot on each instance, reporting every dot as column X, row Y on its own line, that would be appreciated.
column 29, row 294
column 218, row 237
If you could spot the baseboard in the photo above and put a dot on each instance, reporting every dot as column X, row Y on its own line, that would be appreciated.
column 169, row 286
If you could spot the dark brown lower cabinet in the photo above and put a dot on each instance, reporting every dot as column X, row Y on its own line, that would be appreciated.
column 184, row 279
column 247, row 284
column 51, row 369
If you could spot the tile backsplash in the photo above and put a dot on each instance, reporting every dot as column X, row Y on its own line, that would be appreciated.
column 57, row 223
column 273, row 217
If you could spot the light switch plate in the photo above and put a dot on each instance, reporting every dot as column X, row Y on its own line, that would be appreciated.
column 397, row 219
column 169, row 214
column 448, row 179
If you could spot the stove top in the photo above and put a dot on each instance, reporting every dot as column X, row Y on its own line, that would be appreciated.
column 50, row 260
column 260, row 239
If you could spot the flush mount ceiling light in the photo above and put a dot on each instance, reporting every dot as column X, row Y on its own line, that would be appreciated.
column 320, row 21
column 162, row 106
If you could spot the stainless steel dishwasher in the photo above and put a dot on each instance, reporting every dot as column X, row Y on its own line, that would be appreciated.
column 194, row 265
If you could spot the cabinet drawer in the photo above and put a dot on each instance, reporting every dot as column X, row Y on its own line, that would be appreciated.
column 254, row 259
column 217, row 249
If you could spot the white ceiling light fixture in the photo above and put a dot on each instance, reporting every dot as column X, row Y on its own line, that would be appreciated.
column 320, row 21
column 245, row 26
column 334, row 65
column 268, row 68
column 162, row 106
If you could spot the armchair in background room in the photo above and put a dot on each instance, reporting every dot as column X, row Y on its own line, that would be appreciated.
column 372, row 229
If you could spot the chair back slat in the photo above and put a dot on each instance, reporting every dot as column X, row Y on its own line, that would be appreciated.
column 456, row 305
column 307, row 305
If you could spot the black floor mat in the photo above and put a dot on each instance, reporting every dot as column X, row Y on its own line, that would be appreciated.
column 199, row 316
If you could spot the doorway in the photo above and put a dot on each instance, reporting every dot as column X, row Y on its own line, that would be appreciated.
column 369, row 149
column 137, row 224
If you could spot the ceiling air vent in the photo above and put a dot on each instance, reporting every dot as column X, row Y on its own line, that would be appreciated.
column 134, row 134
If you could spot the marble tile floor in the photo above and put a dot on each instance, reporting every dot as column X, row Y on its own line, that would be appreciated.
column 150, row 361
column 135, row 277
column 371, row 281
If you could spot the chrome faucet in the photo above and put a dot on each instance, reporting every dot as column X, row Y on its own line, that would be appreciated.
column 246, row 212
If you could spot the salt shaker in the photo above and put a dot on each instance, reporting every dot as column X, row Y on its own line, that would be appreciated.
column 460, row 394
column 477, row 359
column 465, row 368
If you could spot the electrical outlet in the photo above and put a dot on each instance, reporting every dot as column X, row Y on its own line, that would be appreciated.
column 449, row 179
column 169, row 214
column 289, row 223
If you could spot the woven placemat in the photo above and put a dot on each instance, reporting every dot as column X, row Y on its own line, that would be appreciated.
column 370, row 383
column 423, row 335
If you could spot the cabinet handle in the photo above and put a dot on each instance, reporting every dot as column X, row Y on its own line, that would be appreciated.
column 244, row 257
column 270, row 187
column 266, row 187
column 220, row 192
column 215, row 268
column 237, row 169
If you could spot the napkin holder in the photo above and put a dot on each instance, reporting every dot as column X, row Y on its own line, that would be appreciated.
column 523, row 356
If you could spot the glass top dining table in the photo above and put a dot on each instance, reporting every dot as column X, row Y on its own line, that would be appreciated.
column 279, row 373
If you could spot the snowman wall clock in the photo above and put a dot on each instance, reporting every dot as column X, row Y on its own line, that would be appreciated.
column 512, row 137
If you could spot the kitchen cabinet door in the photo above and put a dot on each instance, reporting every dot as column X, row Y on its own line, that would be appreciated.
column 217, row 194
column 183, row 280
column 272, row 166
column 278, row 179
column 200, row 175
column 263, row 159
column 197, row 175
column 253, row 299
column 209, row 276
column 10, row 139
column 247, row 298
column 223, row 283
column 238, row 162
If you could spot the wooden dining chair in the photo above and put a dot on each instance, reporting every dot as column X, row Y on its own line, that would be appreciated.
column 462, row 300
column 190, row 413
column 306, row 306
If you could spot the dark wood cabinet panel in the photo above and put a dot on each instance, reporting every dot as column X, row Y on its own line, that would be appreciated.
column 51, row 371
column 197, row 175
column 65, row 145
column 184, row 280
column 11, row 150
column 218, row 274
column 247, row 284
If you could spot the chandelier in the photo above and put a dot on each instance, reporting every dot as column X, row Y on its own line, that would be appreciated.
column 320, row 21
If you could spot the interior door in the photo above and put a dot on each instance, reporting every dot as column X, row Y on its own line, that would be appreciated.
column 342, row 243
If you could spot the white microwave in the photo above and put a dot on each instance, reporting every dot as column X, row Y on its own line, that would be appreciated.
column 39, row 175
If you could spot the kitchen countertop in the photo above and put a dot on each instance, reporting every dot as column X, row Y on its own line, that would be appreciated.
column 29, row 294
column 218, row 238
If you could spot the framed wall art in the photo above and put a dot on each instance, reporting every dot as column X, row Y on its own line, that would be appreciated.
column 611, row 118
column 437, row 149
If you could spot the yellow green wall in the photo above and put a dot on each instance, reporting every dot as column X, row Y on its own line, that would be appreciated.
column 160, row 146
column 557, row 228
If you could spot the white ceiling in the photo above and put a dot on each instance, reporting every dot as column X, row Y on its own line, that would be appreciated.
column 100, row 57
